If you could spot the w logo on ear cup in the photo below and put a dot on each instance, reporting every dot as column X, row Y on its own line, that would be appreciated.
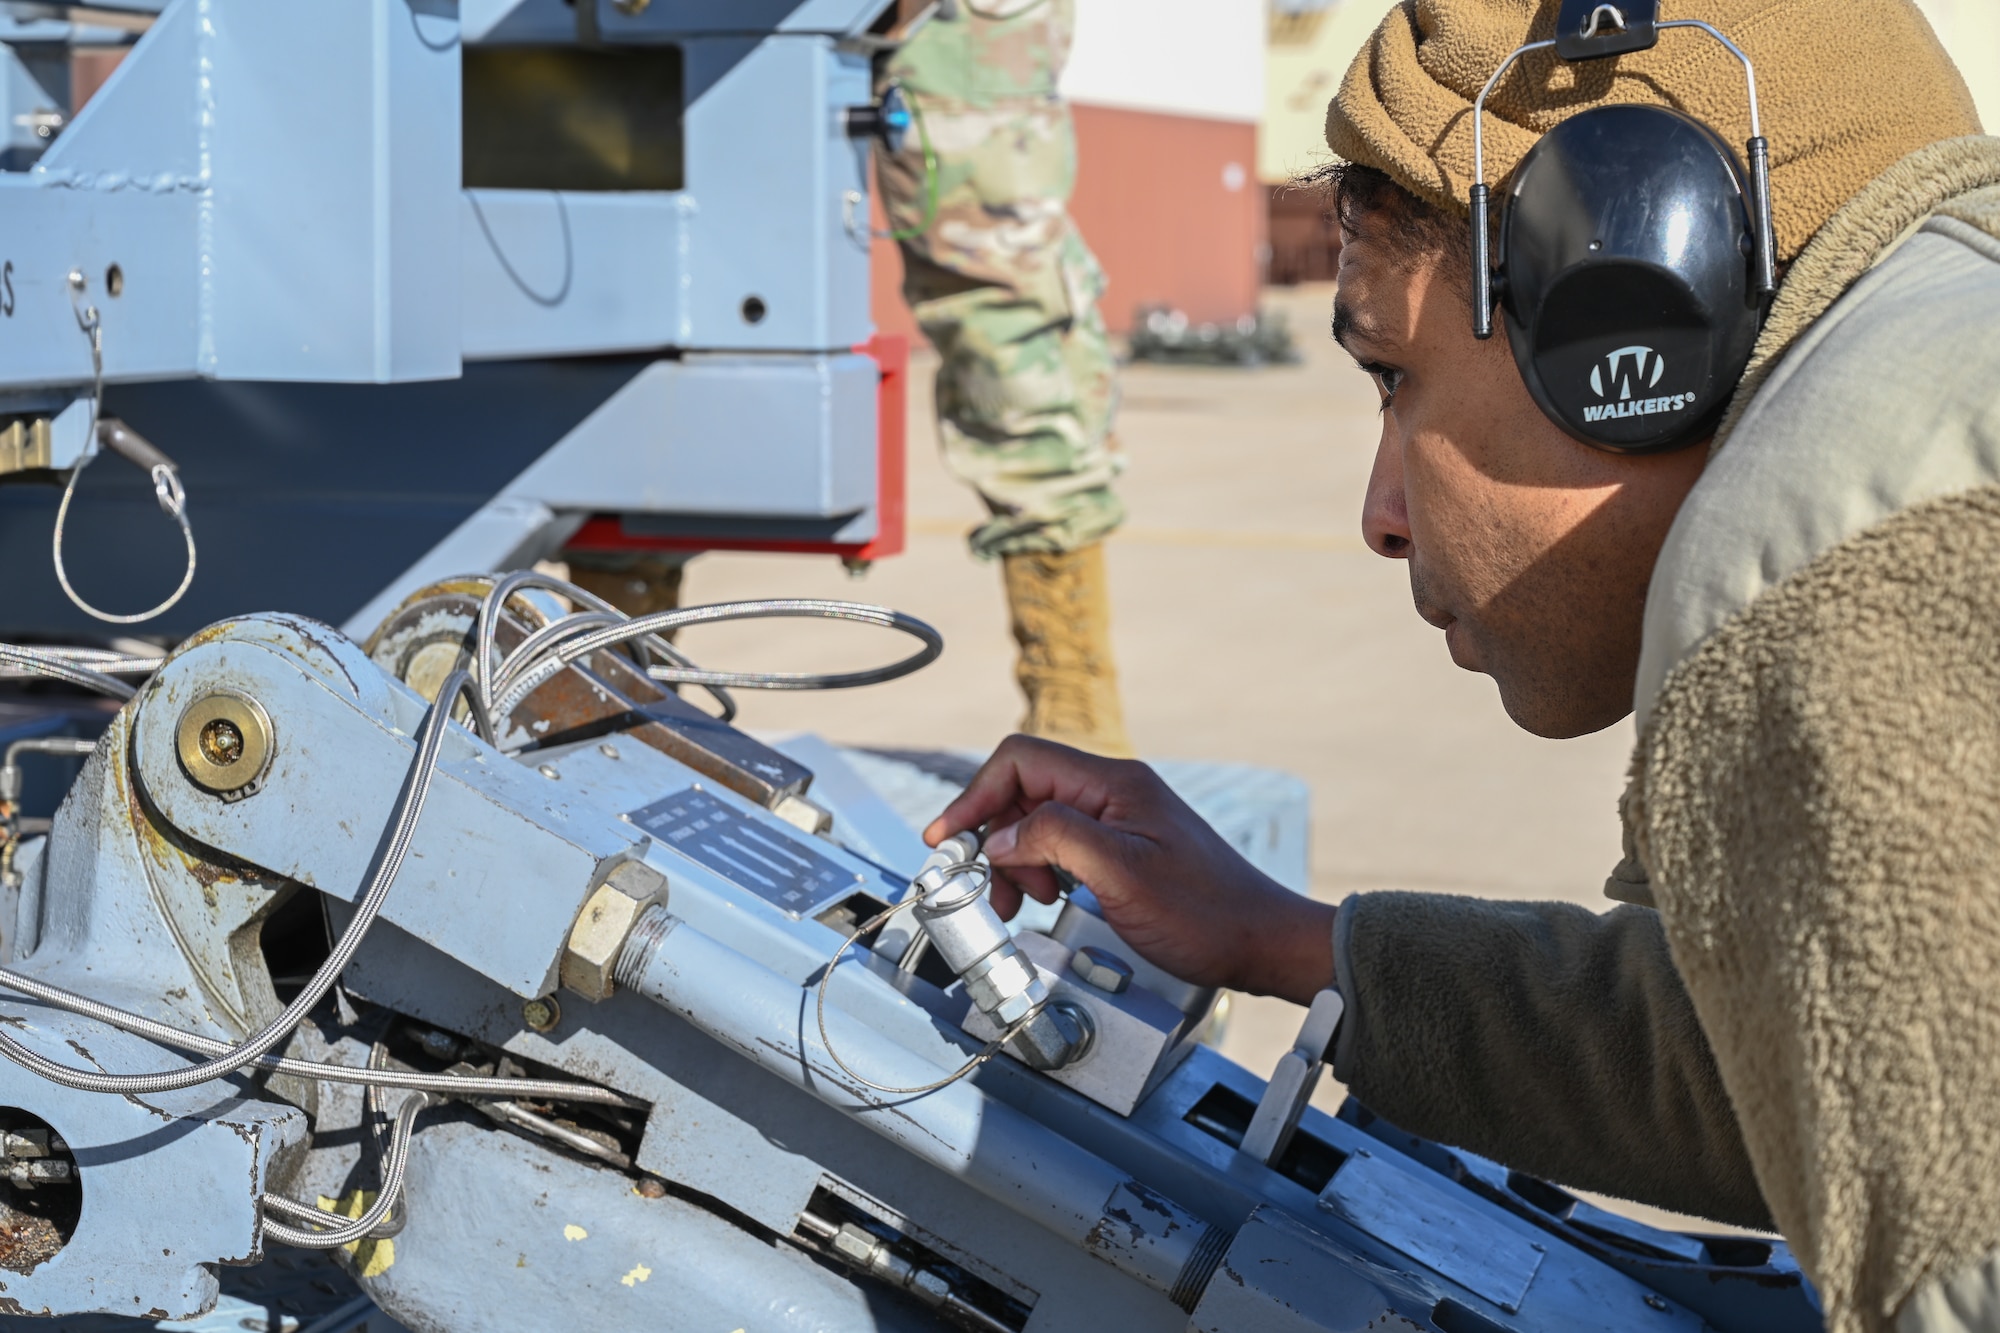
column 1619, row 374
column 1625, row 369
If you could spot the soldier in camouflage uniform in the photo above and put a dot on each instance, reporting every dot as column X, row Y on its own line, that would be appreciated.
column 1004, row 287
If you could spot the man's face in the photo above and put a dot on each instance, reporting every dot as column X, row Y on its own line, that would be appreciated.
column 1530, row 550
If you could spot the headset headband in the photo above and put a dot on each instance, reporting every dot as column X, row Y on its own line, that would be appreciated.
column 1606, row 31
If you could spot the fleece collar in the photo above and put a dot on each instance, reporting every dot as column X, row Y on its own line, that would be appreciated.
column 1874, row 385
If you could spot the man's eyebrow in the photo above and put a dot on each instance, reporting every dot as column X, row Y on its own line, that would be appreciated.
column 1348, row 323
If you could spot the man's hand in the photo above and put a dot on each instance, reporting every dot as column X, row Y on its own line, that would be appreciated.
column 1173, row 889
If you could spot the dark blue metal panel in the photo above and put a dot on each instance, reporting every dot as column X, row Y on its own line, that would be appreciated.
column 305, row 496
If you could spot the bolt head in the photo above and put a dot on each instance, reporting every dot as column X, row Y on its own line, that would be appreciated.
column 1101, row 968
column 1057, row 1036
column 541, row 1015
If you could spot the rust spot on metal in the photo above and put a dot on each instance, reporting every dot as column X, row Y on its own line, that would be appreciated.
column 27, row 1241
column 308, row 631
column 212, row 634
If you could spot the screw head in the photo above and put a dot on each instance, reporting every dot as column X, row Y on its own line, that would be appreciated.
column 221, row 742
column 543, row 1014
column 1101, row 968
column 608, row 750
column 547, row 770
column 1655, row 1303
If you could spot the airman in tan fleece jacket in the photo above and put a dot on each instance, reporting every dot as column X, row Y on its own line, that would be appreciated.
column 1794, row 1020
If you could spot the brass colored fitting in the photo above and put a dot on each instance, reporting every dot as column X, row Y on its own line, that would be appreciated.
column 225, row 743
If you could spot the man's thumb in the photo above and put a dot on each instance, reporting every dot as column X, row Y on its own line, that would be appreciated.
column 1056, row 835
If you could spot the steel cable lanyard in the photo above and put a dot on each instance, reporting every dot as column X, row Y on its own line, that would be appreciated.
column 167, row 489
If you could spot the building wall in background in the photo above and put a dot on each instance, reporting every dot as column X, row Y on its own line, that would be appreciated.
column 1172, row 207
column 1167, row 95
column 1308, row 55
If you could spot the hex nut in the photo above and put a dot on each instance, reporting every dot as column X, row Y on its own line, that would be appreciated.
column 1057, row 1036
column 608, row 915
column 1004, row 985
column 855, row 1245
column 1101, row 968
column 225, row 742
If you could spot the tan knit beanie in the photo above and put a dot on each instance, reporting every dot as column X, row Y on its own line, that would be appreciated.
column 1846, row 87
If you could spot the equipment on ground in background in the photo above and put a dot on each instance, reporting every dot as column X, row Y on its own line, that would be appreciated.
column 1162, row 334
column 1636, row 254
column 481, row 959
column 402, row 288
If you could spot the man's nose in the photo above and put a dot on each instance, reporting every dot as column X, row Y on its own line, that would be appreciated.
column 1385, row 514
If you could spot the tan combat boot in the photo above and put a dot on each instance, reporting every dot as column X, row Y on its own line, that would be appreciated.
column 1062, row 620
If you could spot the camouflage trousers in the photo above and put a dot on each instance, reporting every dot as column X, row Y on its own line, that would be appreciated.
column 999, row 278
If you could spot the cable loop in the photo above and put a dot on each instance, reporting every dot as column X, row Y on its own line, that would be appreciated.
column 992, row 1048
column 933, row 907
column 168, row 490
column 395, row 1166
column 520, row 674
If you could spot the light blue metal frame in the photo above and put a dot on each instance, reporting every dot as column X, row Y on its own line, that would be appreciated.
column 277, row 184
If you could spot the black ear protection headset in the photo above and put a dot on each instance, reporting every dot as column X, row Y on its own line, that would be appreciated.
column 1636, row 254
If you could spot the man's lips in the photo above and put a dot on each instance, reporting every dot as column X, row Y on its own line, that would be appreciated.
column 1436, row 617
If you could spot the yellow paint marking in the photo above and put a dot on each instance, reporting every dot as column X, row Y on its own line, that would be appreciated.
column 574, row 1232
column 638, row 1274
column 372, row 1258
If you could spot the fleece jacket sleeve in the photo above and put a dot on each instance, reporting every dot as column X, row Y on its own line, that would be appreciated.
column 1553, row 1039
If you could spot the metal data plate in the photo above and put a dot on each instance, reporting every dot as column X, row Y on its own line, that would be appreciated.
column 1440, row 1230
column 776, row 866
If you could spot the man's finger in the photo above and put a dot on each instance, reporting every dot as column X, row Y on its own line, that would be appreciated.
column 1006, row 898
column 996, row 786
column 1024, row 771
column 1063, row 837
column 1037, row 882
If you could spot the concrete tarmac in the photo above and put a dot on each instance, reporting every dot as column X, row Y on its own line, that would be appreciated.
column 1251, row 624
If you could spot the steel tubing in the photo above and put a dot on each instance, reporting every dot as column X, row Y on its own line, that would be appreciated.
column 958, row 1129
